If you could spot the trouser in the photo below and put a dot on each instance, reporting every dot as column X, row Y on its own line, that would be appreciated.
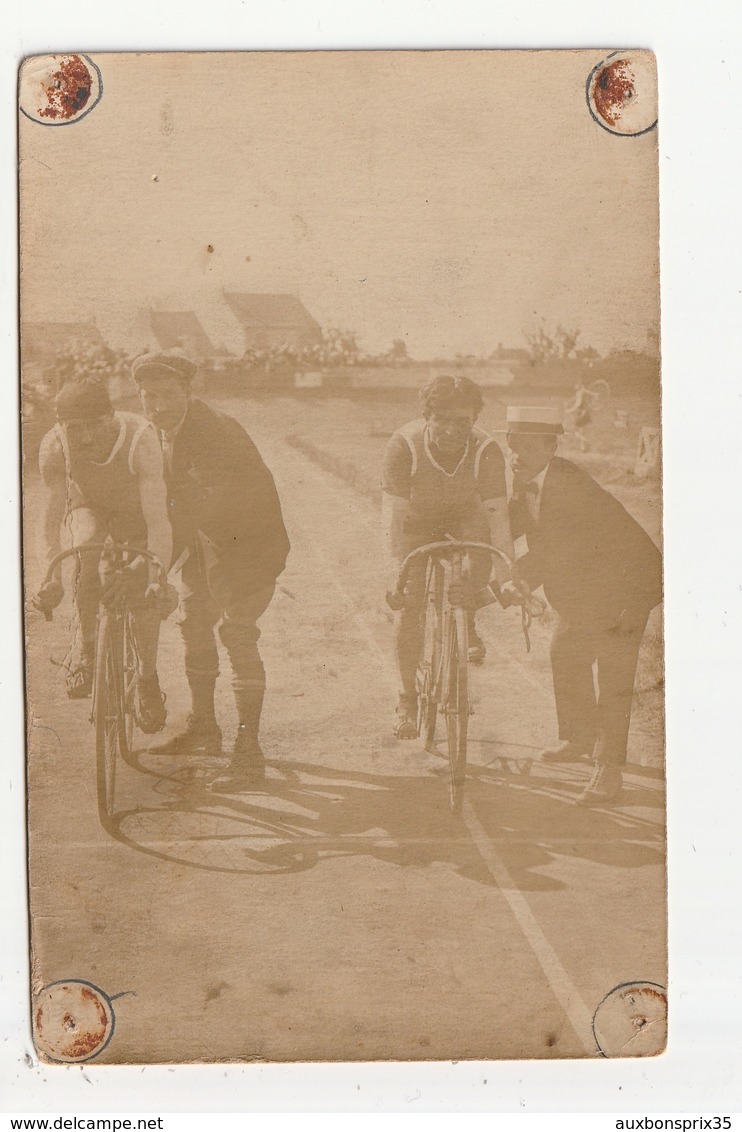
column 409, row 624
column 600, row 722
column 236, row 618
column 86, row 526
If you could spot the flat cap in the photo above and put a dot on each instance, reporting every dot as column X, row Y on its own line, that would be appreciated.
column 166, row 363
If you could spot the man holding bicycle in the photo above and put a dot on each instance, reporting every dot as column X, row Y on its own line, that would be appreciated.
column 442, row 477
column 231, row 544
column 102, row 475
column 602, row 574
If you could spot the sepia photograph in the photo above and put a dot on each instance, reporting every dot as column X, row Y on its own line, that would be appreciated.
column 342, row 542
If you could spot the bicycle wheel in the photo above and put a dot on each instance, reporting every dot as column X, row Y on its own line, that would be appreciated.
column 108, row 713
column 130, row 675
column 428, row 669
column 457, row 703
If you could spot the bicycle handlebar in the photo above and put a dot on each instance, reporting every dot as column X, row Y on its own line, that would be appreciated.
column 396, row 599
column 137, row 554
column 530, row 606
column 99, row 547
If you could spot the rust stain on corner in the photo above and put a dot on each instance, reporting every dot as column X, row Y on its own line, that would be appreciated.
column 613, row 89
column 69, row 90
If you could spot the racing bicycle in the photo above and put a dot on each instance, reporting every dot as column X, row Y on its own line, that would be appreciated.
column 116, row 664
column 443, row 667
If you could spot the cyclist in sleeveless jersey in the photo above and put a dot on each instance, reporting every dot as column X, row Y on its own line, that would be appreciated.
column 102, row 474
column 442, row 476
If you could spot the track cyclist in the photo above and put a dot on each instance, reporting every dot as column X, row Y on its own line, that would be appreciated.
column 102, row 473
column 442, row 477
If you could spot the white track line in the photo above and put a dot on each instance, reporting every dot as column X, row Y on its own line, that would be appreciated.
column 561, row 985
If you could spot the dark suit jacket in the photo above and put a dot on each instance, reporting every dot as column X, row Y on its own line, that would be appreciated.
column 592, row 558
column 220, row 485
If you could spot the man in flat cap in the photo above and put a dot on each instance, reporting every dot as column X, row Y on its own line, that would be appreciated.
column 102, row 475
column 228, row 532
column 602, row 574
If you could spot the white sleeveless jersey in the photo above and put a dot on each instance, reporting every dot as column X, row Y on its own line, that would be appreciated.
column 433, row 491
column 109, row 488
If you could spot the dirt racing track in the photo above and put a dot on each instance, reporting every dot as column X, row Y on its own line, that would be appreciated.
column 344, row 912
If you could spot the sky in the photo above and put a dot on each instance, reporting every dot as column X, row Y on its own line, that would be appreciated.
column 452, row 199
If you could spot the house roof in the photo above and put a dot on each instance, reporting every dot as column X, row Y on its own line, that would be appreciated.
column 269, row 310
column 175, row 328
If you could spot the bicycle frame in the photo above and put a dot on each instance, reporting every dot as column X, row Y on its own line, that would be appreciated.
column 443, row 665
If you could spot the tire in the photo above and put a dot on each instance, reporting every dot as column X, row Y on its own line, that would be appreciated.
column 457, row 705
column 428, row 671
column 130, row 675
column 108, row 715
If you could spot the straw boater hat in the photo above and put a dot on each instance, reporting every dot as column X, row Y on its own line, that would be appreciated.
column 533, row 418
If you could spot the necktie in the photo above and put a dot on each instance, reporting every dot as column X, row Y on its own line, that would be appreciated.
column 523, row 507
column 167, row 454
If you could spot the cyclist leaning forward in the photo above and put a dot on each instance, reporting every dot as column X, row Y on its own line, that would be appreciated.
column 102, row 474
column 442, row 476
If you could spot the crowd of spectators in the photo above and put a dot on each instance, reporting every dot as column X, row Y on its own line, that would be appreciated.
column 338, row 349
column 44, row 377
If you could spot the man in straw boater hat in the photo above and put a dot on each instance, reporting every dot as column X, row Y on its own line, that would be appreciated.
column 602, row 574
column 231, row 543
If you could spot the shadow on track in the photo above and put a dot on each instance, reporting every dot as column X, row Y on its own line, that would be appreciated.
column 309, row 813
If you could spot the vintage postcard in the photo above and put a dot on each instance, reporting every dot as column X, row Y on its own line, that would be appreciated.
column 342, row 542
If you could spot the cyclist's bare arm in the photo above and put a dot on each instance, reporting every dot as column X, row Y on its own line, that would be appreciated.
column 148, row 469
column 54, row 501
column 394, row 512
column 500, row 536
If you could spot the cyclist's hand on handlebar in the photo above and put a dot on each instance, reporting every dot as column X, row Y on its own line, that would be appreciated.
column 48, row 597
column 395, row 597
column 164, row 595
column 513, row 593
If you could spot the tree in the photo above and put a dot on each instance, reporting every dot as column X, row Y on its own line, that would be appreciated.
column 342, row 342
column 398, row 350
column 548, row 346
column 541, row 346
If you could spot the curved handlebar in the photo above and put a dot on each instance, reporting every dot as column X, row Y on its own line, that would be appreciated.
column 441, row 548
column 530, row 606
column 135, row 554
column 447, row 545
column 88, row 547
